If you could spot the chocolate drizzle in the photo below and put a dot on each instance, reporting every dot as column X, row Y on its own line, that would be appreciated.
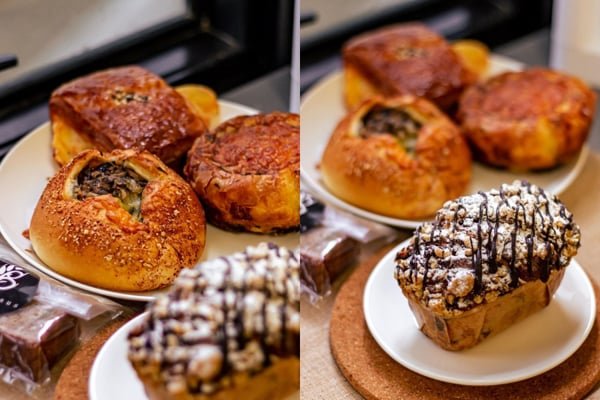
column 242, row 308
column 514, row 274
column 282, row 311
column 224, row 339
column 503, row 237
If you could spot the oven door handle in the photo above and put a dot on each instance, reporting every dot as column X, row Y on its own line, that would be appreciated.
column 8, row 61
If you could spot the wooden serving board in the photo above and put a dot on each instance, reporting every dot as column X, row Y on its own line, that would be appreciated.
column 376, row 376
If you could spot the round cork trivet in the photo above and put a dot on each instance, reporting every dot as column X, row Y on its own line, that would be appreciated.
column 376, row 376
column 73, row 381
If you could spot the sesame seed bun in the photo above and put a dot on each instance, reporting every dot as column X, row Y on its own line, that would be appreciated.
column 97, row 241
column 382, row 173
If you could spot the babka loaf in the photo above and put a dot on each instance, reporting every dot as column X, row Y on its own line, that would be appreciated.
column 487, row 261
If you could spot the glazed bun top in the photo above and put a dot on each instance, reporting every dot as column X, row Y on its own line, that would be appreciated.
column 260, row 144
column 527, row 95
column 409, row 59
column 128, row 108
column 527, row 120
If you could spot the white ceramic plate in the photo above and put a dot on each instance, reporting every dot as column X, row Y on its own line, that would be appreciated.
column 526, row 349
column 112, row 376
column 322, row 108
column 24, row 173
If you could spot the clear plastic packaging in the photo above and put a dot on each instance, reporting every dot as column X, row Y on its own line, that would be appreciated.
column 33, row 339
column 41, row 322
column 361, row 229
column 325, row 254
column 331, row 242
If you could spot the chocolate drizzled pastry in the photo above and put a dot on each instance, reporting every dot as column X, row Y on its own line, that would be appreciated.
column 486, row 245
column 228, row 316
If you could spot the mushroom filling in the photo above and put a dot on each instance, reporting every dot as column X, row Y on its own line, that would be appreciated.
column 122, row 97
column 392, row 121
column 114, row 179
column 409, row 52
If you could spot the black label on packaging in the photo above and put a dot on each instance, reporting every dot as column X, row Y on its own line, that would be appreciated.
column 311, row 212
column 17, row 287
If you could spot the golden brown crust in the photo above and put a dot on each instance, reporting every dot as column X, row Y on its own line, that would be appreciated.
column 376, row 173
column 97, row 242
column 471, row 327
column 403, row 59
column 125, row 108
column 534, row 119
column 247, row 173
column 275, row 382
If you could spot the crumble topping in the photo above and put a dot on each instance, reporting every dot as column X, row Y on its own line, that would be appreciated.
column 234, row 314
column 485, row 245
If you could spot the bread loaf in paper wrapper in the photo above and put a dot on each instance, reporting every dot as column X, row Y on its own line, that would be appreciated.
column 486, row 262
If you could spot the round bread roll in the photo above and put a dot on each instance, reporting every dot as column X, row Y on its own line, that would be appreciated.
column 247, row 173
column 400, row 157
column 534, row 119
column 119, row 221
